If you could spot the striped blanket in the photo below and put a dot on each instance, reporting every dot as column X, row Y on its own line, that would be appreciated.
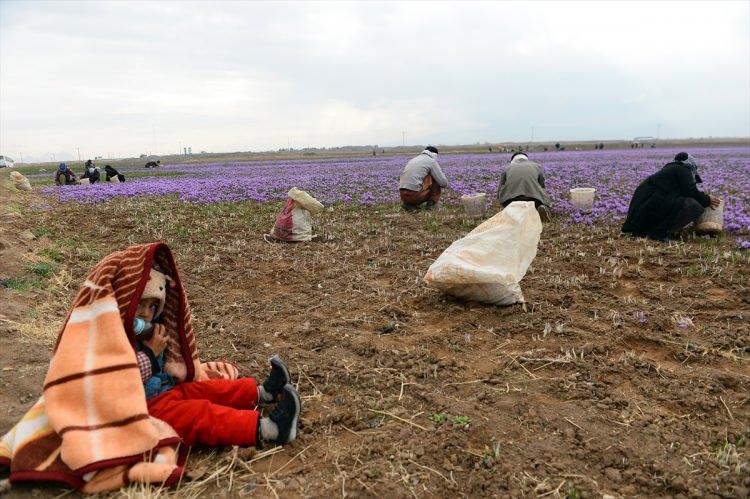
column 91, row 428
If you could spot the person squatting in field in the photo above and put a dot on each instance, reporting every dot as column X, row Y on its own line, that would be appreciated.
column 91, row 172
column 422, row 181
column 65, row 176
column 523, row 180
column 110, row 173
column 667, row 201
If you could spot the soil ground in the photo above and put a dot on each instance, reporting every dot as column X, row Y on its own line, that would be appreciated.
column 625, row 373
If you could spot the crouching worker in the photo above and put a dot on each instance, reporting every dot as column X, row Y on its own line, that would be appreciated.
column 667, row 201
column 126, row 394
column 422, row 181
column 523, row 180
column 91, row 172
column 111, row 173
column 65, row 176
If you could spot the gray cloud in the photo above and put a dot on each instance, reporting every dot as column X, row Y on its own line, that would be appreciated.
column 104, row 76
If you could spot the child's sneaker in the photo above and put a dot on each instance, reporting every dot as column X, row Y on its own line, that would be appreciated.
column 286, row 415
column 276, row 380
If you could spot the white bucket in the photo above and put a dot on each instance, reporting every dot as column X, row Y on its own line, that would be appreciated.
column 475, row 205
column 712, row 220
column 582, row 198
column 84, row 181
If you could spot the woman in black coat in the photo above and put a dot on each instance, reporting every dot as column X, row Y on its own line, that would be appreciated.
column 111, row 172
column 668, row 200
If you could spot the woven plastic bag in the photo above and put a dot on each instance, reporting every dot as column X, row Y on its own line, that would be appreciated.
column 20, row 181
column 294, row 223
column 488, row 264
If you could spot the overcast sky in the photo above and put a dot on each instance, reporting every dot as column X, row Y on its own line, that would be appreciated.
column 127, row 78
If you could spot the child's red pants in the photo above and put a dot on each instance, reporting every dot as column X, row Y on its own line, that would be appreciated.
column 213, row 412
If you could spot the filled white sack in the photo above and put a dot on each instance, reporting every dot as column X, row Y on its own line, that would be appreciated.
column 294, row 223
column 20, row 181
column 488, row 263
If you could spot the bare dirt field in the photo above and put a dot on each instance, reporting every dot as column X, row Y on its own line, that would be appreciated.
column 625, row 373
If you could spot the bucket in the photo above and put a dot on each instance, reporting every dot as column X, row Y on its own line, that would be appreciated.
column 582, row 198
column 712, row 221
column 475, row 205
column 84, row 181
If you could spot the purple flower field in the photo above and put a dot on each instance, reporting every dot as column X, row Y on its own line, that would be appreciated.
column 370, row 180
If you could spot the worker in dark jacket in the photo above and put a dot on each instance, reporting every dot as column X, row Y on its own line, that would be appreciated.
column 91, row 172
column 65, row 176
column 668, row 200
column 110, row 173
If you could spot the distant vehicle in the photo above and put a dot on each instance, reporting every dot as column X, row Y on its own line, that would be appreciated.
column 6, row 162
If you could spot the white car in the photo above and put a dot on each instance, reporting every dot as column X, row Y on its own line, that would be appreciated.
column 6, row 162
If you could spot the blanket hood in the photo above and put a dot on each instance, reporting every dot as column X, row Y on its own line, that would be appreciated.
column 91, row 429
column 124, row 274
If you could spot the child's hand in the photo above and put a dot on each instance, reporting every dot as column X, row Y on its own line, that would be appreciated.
column 158, row 341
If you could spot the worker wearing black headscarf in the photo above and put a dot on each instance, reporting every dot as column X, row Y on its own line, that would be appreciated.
column 111, row 172
column 668, row 200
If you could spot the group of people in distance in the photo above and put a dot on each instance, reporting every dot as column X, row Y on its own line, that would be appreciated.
column 662, row 205
column 65, row 176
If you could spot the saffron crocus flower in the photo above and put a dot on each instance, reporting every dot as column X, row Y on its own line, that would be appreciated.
column 614, row 173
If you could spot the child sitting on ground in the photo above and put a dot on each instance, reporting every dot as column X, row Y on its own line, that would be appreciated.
column 123, row 397
column 214, row 411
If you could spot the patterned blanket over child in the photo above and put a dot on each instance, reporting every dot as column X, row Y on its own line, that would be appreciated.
column 91, row 428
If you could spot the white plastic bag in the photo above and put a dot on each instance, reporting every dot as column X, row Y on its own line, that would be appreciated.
column 488, row 264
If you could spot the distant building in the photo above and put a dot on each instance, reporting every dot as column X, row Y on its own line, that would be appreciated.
column 642, row 141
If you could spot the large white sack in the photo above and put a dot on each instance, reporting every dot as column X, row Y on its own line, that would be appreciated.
column 487, row 265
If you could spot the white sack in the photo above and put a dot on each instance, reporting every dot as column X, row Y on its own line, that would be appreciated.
column 301, row 224
column 20, row 181
column 294, row 223
column 487, row 265
column 306, row 200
